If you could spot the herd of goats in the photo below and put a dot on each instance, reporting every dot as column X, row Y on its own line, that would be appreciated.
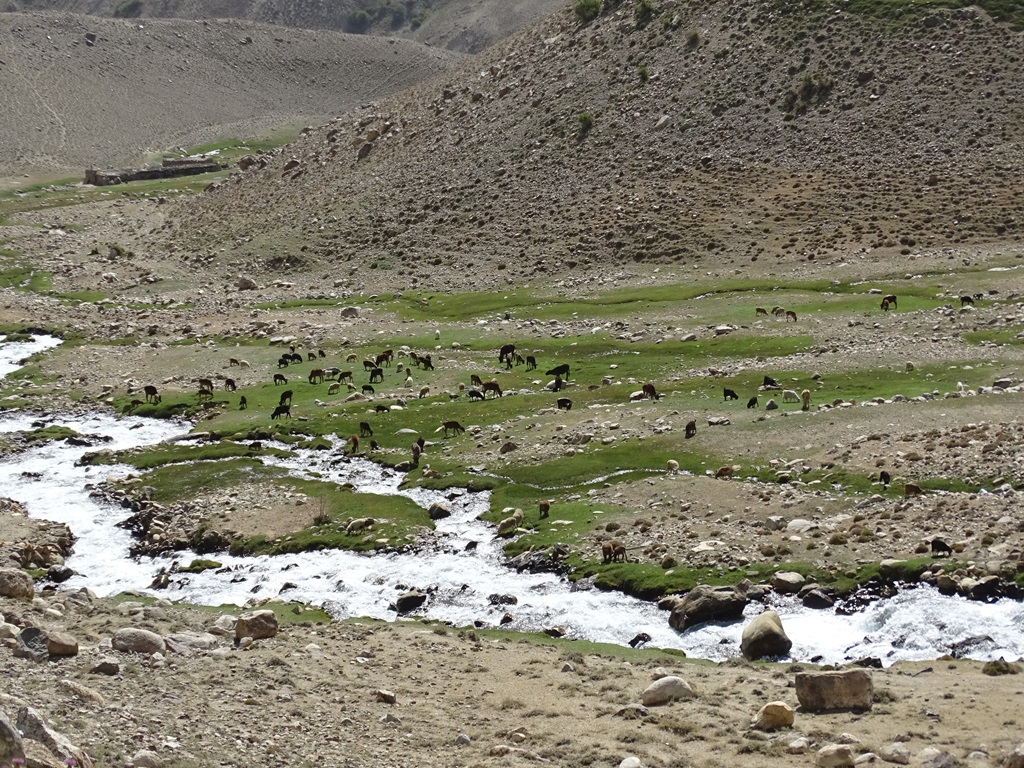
column 481, row 390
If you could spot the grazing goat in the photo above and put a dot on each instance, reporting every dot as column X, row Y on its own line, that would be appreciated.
column 205, row 384
column 770, row 383
column 545, row 508
column 790, row 315
column 369, row 365
column 558, row 384
column 229, row 385
column 282, row 410
column 295, row 357
column 345, row 376
column 761, row 311
column 321, row 353
column 492, row 386
column 354, row 440
column 310, row 356
column 752, row 402
column 531, row 362
column 884, row 478
column 286, row 397
column 476, row 394
column 559, row 370
column 912, row 489
column 152, row 396
column 233, row 361
column 691, row 429
column 891, row 298
column 381, row 408
column 424, row 391
column 729, row 394
column 475, row 380
column 607, row 551
column 283, row 361
column 724, row 473
column 417, row 451
column 805, row 399
column 334, row 389
column 377, row 374
column 382, row 360
column 316, row 376
column 280, row 378
column 374, row 445
column 939, row 547
column 778, row 311
column 351, row 358
column 885, row 305
column 790, row 396
column 650, row 392
column 427, row 362
column 368, row 389
column 506, row 352
column 205, row 394
column 365, row 430
column 242, row 403
column 564, row 404
column 452, row 426
column 966, row 300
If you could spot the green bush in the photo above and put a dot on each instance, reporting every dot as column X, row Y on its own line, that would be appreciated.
column 129, row 9
column 643, row 10
column 643, row 73
column 358, row 22
column 586, row 121
column 587, row 10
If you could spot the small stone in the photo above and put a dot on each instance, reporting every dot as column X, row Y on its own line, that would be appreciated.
column 773, row 716
column 462, row 740
column 107, row 666
column 895, row 753
column 631, row 762
column 132, row 640
column 258, row 625
column 146, row 759
column 834, row 756
column 386, row 696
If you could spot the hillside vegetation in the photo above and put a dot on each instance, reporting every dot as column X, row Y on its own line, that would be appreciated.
column 129, row 89
column 741, row 132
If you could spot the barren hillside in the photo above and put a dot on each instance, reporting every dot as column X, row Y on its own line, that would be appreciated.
column 88, row 91
column 460, row 25
column 728, row 130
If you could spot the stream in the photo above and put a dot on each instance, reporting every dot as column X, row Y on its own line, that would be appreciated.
column 466, row 586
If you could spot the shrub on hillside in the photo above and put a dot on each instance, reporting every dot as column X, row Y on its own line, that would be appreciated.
column 587, row 9
column 643, row 10
column 129, row 9
column 357, row 22
column 586, row 121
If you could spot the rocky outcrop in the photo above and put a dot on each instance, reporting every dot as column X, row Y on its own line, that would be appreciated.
column 17, row 584
column 132, row 640
column 852, row 689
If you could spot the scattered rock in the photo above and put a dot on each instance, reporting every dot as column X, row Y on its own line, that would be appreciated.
column 258, row 625
column 764, row 636
column 773, row 716
column 131, row 640
column 16, row 583
column 410, row 601
column 835, row 756
column 706, row 603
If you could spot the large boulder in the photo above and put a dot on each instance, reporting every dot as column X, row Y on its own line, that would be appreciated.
column 667, row 690
column 17, row 584
column 705, row 603
column 787, row 582
column 258, row 625
column 61, row 644
column 764, row 636
column 132, row 640
column 852, row 689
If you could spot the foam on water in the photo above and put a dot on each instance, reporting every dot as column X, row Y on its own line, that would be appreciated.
column 916, row 624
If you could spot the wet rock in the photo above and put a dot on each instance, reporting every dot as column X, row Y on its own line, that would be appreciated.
column 851, row 689
column 706, row 603
column 258, row 625
column 410, row 601
column 787, row 582
column 58, row 574
column 17, row 584
column 764, row 636
column 817, row 599
column 132, row 640
column 773, row 716
column 667, row 690
column 438, row 511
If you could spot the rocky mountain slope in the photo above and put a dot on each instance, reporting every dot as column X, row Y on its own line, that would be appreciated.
column 739, row 133
column 460, row 25
column 87, row 91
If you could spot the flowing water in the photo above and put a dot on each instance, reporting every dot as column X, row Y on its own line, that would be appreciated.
column 917, row 624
